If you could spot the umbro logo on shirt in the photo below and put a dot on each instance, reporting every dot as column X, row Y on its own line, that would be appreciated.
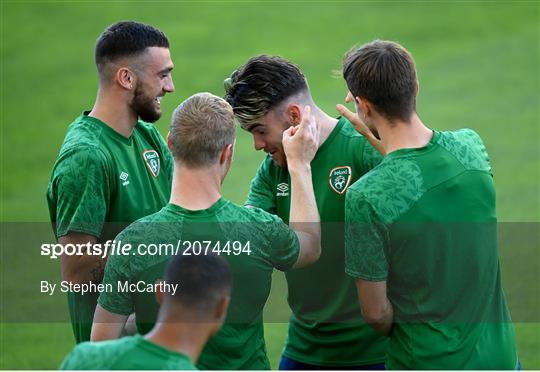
column 282, row 189
column 124, row 177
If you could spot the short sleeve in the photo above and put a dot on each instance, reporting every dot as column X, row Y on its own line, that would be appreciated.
column 261, row 194
column 277, row 243
column 370, row 157
column 79, row 192
column 366, row 237
column 284, row 246
column 117, row 271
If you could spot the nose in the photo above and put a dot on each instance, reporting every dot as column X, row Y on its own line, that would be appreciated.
column 169, row 85
column 258, row 143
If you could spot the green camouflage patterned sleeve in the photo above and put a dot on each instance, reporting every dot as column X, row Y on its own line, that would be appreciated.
column 280, row 246
column 80, row 192
column 284, row 245
column 365, row 240
column 117, row 271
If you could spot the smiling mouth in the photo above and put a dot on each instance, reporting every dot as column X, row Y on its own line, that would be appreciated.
column 158, row 100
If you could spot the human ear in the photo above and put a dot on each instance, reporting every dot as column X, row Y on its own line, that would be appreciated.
column 125, row 78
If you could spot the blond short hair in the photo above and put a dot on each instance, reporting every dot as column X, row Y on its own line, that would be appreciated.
column 201, row 127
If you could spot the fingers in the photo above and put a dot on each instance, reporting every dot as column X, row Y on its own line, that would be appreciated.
column 355, row 120
column 349, row 97
column 309, row 124
column 289, row 132
column 306, row 117
column 351, row 116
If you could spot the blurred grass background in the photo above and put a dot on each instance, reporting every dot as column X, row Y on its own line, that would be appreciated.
column 478, row 66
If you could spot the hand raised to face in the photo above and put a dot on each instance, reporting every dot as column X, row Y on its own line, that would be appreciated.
column 301, row 142
column 359, row 125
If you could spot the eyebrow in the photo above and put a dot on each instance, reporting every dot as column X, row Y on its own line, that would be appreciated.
column 251, row 127
column 165, row 70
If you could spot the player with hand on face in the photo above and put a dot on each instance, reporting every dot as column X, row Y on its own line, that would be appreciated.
column 254, row 242
column 114, row 167
column 187, row 319
column 268, row 95
column 421, row 234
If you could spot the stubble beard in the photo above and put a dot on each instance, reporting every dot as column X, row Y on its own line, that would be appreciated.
column 144, row 106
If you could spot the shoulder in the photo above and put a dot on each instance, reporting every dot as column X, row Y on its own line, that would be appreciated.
column 83, row 156
column 467, row 147
column 239, row 213
column 82, row 133
column 348, row 133
column 391, row 188
column 147, row 227
column 91, row 355
column 83, row 142
column 260, row 215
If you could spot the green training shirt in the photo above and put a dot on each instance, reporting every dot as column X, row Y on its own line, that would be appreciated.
column 101, row 182
column 424, row 221
column 127, row 353
column 326, row 327
column 252, row 241
column 101, row 176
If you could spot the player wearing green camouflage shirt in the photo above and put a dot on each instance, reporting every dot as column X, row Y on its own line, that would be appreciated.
column 128, row 353
column 262, row 242
column 113, row 167
column 253, row 242
column 101, row 176
column 421, row 237
column 326, row 328
column 186, row 320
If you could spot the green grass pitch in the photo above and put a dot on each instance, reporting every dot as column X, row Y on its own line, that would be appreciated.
column 478, row 65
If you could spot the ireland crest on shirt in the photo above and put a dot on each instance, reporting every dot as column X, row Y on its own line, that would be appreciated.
column 151, row 158
column 340, row 179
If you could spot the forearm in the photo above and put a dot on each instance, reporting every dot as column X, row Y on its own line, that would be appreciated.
column 107, row 325
column 383, row 322
column 303, row 204
column 304, row 216
column 377, row 310
column 81, row 268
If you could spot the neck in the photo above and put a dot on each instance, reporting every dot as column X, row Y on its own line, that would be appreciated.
column 185, row 338
column 326, row 123
column 404, row 134
column 112, row 109
column 195, row 188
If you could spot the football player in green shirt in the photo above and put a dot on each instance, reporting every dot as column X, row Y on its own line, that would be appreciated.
column 325, row 330
column 200, row 221
column 421, row 233
column 187, row 318
column 114, row 167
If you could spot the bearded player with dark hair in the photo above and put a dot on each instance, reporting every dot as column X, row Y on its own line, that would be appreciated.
column 113, row 167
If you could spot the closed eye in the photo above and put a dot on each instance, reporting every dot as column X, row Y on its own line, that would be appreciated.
column 257, row 129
